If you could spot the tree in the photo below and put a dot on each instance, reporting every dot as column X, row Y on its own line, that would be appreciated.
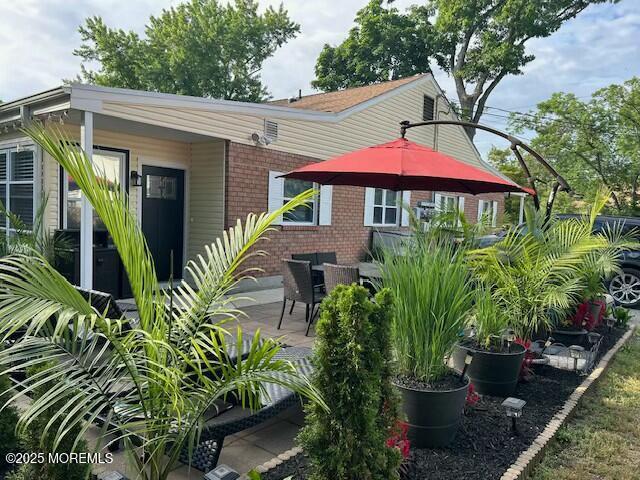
column 384, row 45
column 477, row 42
column 155, row 380
column 592, row 143
column 203, row 48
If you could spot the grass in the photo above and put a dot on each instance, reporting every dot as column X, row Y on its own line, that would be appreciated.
column 602, row 442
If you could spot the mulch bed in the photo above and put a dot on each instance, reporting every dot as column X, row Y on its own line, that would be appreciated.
column 485, row 446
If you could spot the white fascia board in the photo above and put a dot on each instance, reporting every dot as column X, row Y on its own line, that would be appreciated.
column 90, row 98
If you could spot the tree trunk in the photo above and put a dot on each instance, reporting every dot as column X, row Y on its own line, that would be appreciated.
column 466, row 104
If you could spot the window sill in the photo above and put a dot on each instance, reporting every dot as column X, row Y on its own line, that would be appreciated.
column 305, row 228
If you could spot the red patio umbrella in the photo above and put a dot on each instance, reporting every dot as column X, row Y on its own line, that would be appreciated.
column 403, row 165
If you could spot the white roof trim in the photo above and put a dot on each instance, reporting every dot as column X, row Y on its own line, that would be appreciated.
column 91, row 97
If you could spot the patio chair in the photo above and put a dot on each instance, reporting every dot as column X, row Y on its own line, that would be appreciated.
column 326, row 257
column 340, row 275
column 298, row 287
column 318, row 277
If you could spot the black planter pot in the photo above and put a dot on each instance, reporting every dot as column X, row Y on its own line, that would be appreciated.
column 491, row 373
column 569, row 337
column 433, row 416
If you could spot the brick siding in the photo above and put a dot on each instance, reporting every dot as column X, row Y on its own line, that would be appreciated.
column 247, row 190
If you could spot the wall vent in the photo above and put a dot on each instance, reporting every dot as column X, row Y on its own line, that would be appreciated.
column 271, row 130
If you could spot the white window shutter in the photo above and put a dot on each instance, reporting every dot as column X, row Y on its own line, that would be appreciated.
column 276, row 193
column 437, row 199
column 406, row 201
column 461, row 204
column 326, row 192
column 494, row 212
column 480, row 207
column 368, row 206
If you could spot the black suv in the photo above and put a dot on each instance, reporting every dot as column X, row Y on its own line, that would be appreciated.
column 625, row 286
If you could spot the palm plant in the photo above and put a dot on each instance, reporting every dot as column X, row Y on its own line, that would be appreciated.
column 430, row 283
column 25, row 238
column 154, row 382
column 539, row 272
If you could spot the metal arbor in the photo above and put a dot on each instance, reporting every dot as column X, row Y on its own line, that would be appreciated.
column 560, row 182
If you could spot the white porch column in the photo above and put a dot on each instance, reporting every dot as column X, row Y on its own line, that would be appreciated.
column 86, row 211
column 521, row 216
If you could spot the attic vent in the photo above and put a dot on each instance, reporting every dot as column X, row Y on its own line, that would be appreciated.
column 271, row 130
column 427, row 108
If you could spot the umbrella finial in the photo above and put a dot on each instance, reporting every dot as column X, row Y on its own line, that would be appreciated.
column 403, row 127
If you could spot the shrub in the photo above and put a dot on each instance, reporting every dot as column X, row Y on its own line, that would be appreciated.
column 34, row 439
column 8, row 420
column 353, row 371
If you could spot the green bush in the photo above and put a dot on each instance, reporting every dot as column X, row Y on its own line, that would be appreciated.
column 33, row 439
column 353, row 372
column 8, row 420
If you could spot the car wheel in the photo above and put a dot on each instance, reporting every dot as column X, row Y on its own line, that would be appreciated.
column 625, row 287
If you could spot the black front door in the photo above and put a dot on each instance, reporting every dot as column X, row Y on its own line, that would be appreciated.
column 163, row 217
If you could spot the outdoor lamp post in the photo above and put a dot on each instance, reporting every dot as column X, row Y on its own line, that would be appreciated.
column 610, row 322
column 575, row 351
column 510, row 337
column 468, row 358
column 593, row 337
column 547, row 344
column 513, row 408
column 222, row 472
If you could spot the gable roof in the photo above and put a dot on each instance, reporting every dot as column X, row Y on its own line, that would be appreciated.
column 341, row 100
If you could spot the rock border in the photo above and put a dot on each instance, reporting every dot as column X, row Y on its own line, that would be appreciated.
column 530, row 458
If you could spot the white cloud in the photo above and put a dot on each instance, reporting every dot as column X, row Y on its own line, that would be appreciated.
column 37, row 38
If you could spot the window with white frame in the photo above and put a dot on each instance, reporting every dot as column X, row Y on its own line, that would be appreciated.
column 488, row 211
column 112, row 166
column 316, row 211
column 17, row 169
column 449, row 203
column 383, row 208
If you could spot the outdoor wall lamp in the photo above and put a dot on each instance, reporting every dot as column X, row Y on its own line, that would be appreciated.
column 221, row 472
column 610, row 322
column 575, row 351
column 136, row 179
column 513, row 408
column 468, row 358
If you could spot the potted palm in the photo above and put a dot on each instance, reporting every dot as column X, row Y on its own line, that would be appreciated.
column 537, row 273
column 432, row 300
column 154, row 382
column 496, row 357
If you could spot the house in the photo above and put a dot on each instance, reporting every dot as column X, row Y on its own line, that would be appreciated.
column 192, row 166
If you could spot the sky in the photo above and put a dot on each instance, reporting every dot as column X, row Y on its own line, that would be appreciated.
column 598, row 48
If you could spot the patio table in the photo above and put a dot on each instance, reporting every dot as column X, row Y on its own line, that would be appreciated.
column 368, row 271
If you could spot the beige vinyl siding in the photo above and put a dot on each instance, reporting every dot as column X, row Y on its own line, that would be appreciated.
column 206, row 195
column 376, row 124
column 150, row 150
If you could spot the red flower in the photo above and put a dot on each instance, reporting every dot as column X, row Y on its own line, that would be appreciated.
column 399, row 439
column 472, row 396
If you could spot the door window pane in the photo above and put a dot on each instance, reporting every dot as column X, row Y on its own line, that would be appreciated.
column 160, row 187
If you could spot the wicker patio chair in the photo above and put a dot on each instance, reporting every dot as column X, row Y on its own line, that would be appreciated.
column 298, row 287
column 340, row 275
column 318, row 277
column 326, row 257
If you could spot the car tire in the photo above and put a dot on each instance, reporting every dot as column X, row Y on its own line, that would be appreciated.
column 624, row 287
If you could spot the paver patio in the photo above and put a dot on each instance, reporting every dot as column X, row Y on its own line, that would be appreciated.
column 255, row 446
